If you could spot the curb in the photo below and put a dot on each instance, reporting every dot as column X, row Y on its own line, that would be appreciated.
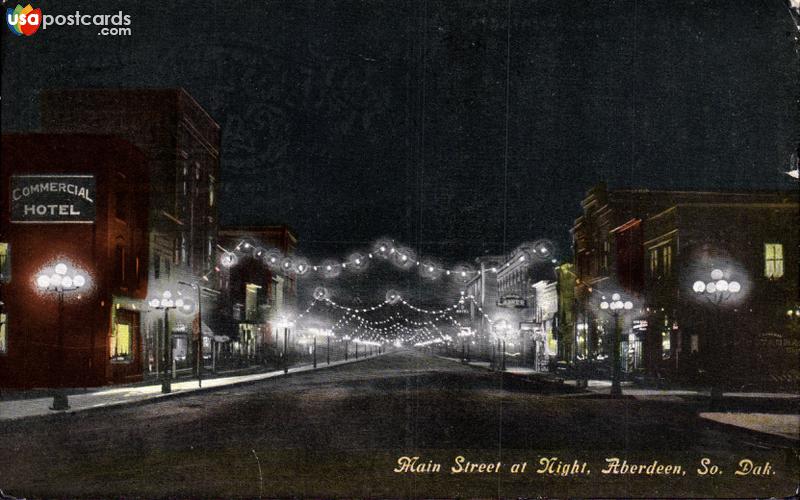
column 774, row 439
column 174, row 395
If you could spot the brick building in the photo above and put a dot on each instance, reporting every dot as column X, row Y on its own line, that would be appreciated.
column 181, row 142
column 96, row 189
column 655, row 244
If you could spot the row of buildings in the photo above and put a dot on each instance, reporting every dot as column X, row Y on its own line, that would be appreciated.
column 653, row 247
column 122, row 186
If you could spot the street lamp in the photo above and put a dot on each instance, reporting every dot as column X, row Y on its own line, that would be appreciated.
column 501, row 330
column 716, row 293
column 616, row 307
column 286, row 324
column 465, row 333
column 165, row 303
column 199, row 349
column 346, row 339
column 60, row 281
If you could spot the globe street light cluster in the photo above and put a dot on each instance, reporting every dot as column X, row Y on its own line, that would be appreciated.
column 616, row 303
column 166, row 302
column 717, row 284
column 60, row 279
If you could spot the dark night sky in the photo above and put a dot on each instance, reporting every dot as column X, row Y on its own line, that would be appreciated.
column 357, row 119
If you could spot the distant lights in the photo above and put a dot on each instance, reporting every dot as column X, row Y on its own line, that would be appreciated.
column 616, row 303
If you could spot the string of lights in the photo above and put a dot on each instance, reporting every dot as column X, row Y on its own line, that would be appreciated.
column 384, row 249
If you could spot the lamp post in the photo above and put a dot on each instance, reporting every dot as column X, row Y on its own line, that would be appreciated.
column 501, row 329
column 346, row 339
column 466, row 334
column 716, row 293
column 615, row 308
column 199, row 349
column 165, row 303
column 60, row 281
column 286, row 324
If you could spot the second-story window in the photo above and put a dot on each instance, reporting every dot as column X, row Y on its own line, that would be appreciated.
column 653, row 261
column 121, row 204
column 119, row 265
column 666, row 259
column 773, row 260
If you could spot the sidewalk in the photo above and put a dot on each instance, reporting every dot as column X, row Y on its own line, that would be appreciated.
column 784, row 425
column 105, row 397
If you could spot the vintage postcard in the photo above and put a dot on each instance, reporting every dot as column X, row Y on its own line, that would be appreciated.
column 396, row 249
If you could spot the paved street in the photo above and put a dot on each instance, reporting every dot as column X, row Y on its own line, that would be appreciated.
column 340, row 432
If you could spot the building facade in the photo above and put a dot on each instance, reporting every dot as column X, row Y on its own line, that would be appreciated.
column 653, row 245
column 483, row 288
column 89, row 211
column 258, row 294
column 181, row 142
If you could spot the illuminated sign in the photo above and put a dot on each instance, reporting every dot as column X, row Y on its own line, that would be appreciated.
column 512, row 301
column 53, row 199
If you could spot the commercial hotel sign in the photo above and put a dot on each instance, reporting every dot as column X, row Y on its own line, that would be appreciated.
column 53, row 199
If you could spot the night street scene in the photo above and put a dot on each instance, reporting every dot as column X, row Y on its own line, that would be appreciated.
column 400, row 249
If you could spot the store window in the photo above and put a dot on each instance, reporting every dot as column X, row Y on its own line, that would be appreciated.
column 251, row 302
column 121, row 341
column 3, row 333
column 5, row 262
column 773, row 260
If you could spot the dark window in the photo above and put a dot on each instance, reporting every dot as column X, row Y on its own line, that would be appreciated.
column 121, row 206
column 119, row 266
column 156, row 266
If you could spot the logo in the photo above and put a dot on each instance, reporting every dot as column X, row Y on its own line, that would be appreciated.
column 24, row 21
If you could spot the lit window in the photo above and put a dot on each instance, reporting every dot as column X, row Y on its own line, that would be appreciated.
column 211, row 189
column 5, row 263
column 121, row 342
column 667, row 259
column 3, row 333
column 251, row 301
column 665, row 344
column 654, row 261
column 773, row 260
